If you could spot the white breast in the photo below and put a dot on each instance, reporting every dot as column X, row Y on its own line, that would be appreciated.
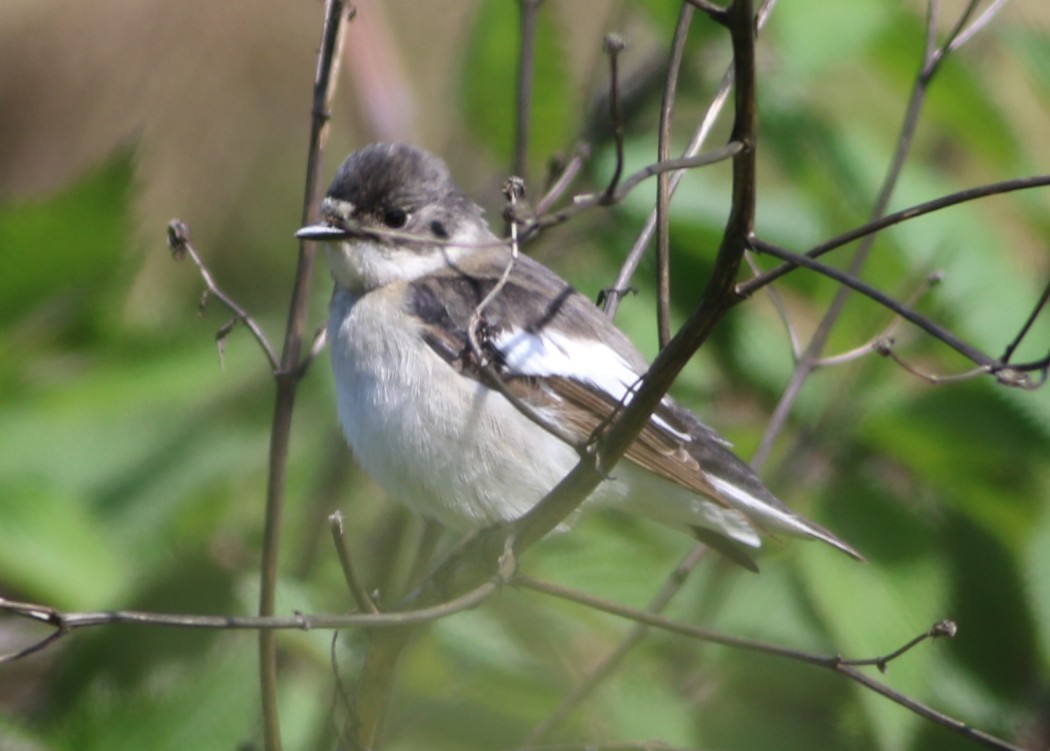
column 434, row 439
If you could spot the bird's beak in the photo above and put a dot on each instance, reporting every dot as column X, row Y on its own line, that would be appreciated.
column 323, row 232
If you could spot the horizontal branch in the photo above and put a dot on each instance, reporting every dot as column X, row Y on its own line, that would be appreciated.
column 64, row 623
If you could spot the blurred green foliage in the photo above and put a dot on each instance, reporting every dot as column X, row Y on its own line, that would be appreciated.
column 132, row 465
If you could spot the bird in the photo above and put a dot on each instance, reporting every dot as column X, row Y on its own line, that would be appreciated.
column 412, row 259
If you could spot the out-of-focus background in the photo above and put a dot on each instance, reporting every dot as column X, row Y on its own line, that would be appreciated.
column 133, row 461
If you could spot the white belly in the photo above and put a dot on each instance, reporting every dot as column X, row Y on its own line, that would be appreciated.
column 432, row 438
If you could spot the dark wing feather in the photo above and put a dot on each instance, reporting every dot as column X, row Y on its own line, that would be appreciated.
column 445, row 303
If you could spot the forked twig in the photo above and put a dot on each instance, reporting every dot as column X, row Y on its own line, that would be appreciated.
column 835, row 663
column 179, row 242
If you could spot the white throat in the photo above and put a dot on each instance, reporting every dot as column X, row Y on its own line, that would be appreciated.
column 362, row 265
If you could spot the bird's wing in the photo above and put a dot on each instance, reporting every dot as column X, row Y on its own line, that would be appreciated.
column 558, row 353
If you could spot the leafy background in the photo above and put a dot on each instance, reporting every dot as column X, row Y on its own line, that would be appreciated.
column 132, row 462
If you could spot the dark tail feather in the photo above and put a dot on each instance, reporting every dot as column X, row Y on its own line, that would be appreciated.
column 726, row 547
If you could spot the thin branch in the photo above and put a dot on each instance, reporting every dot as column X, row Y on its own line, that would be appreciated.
column 527, row 10
column 179, row 242
column 663, row 182
column 960, row 36
column 781, row 308
column 566, row 176
column 586, row 201
column 940, row 628
column 885, row 348
column 835, row 663
column 513, row 191
column 1039, row 305
column 849, row 281
column 931, row 59
column 611, row 299
column 881, row 343
column 613, row 45
column 608, row 664
column 337, row 15
column 717, row 299
column 716, row 12
column 746, row 289
column 65, row 623
column 316, row 348
column 353, row 581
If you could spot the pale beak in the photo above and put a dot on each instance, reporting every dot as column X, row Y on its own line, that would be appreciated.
column 323, row 232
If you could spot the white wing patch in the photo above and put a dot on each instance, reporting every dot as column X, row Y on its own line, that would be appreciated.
column 759, row 509
column 595, row 363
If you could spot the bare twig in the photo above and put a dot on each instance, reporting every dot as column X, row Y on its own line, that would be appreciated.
column 962, row 34
column 932, row 57
column 514, row 191
column 885, row 340
column 608, row 664
column 611, row 299
column 885, row 348
column 337, row 13
column 1002, row 187
column 179, row 242
column 613, row 46
column 353, row 581
column 834, row 663
column 565, row 177
column 588, row 201
column 663, row 182
column 939, row 629
column 1039, row 305
column 716, row 12
column 316, row 348
column 851, row 282
column 527, row 10
column 64, row 623
column 781, row 308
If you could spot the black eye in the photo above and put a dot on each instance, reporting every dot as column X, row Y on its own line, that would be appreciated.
column 395, row 218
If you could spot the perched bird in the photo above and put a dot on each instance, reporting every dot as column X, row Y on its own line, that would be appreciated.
column 412, row 258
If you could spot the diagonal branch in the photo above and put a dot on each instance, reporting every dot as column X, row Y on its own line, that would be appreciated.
column 1002, row 187
column 179, row 242
column 718, row 297
column 834, row 663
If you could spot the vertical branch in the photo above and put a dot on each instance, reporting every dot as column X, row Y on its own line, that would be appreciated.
column 619, row 288
column 526, row 68
column 718, row 297
column 663, row 180
column 613, row 45
column 287, row 377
